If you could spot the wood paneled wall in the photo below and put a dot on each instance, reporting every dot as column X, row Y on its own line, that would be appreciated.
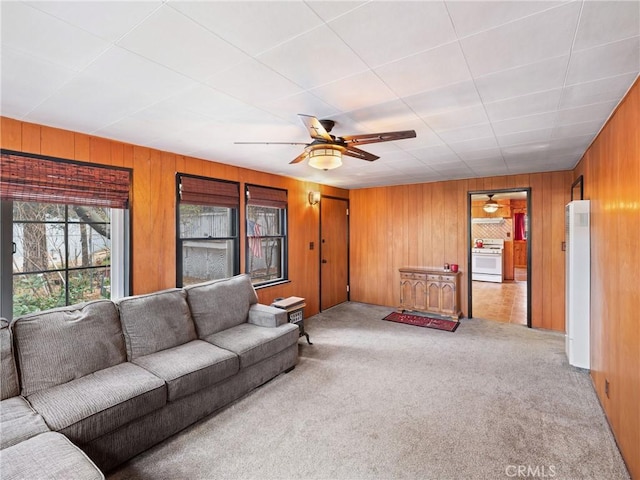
column 153, row 204
column 611, row 176
column 427, row 225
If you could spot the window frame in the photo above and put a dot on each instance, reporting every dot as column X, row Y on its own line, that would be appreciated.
column 235, row 227
column 284, row 236
column 121, row 272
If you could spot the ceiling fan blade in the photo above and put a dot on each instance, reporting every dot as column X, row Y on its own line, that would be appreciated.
column 378, row 137
column 270, row 143
column 361, row 154
column 300, row 157
column 316, row 130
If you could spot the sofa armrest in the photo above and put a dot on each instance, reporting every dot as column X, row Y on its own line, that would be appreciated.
column 266, row 316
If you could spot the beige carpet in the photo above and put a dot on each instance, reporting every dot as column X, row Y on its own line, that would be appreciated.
column 383, row 400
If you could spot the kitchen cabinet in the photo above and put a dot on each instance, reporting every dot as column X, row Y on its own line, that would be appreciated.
column 520, row 253
column 507, row 258
column 430, row 290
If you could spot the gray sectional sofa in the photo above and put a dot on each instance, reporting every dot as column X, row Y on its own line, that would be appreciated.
column 115, row 378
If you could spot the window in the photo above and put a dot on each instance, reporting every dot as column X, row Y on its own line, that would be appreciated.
column 57, row 224
column 62, row 255
column 266, row 242
column 208, row 242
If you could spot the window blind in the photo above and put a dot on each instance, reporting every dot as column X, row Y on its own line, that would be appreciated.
column 206, row 191
column 33, row 179
column 266, row 197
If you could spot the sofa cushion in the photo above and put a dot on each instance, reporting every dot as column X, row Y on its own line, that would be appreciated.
column 48, row 455
column 59, row 345
column 18, row 422
column 188, row 368
column 155, row 322
column 220, row 304
column 9, row 376
column 253, row 343
column 95, row 404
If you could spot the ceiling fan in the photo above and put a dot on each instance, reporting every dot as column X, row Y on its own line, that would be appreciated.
column 325, row 150
column 491, row 206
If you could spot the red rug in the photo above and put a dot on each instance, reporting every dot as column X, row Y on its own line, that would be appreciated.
column 420, row 321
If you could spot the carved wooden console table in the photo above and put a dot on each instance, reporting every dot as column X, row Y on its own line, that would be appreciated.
column 430, row 290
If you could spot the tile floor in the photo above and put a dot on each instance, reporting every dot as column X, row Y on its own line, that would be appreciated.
column 502, row 302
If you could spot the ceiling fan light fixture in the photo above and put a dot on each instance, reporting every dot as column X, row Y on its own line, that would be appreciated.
column 325, row 158
column 491, row 206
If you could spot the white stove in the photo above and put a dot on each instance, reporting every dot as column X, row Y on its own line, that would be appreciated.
column 486, row 262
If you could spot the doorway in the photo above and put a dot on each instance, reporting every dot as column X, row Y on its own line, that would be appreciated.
column 500, row 255
column 334, row 252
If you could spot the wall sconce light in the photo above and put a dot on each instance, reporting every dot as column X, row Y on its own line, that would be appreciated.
column 314, row 198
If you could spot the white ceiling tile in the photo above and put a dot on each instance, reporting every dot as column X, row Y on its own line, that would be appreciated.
column 480, row 155
column 473, row 16
column 524, row 105
column 596, row 112
column 524, row 124
column 305, row 103
column 429, row 70
column 330, row 9
column 491, row 171
column 358, row 91
column 527, row 167
column 207, row 101
column 27, row 81
column 529, row 150
column 315, row 58
column 577, row 129
column 536, row 77
column 437, row 154
column 253, row 83
column 253, row 26
column 453, row 169
column 494, row 160
column 190, row 49
column 606, row 22
column 605, row 61
column 532, row 39
column 519, row 138
column 385, row 115
column 190, row 140
column 381, row 32
column 451, row 97
column 396, row 155
column 570, row 144
column 409, row 165
column 469, row 146
column 606, row 89
column 81, row 93
column 40, row 35
column 463, row 117
column 130, row 71
column 106, row 19
column 482, row 130
column 156, row 121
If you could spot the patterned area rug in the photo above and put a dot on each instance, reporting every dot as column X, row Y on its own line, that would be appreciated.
column 420, row 321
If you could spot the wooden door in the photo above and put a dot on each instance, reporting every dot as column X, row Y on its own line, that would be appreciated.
column 334, row 247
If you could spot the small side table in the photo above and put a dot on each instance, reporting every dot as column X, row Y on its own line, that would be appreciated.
column 294, row 307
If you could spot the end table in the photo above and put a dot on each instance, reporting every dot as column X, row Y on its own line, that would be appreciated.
column 294, row 307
